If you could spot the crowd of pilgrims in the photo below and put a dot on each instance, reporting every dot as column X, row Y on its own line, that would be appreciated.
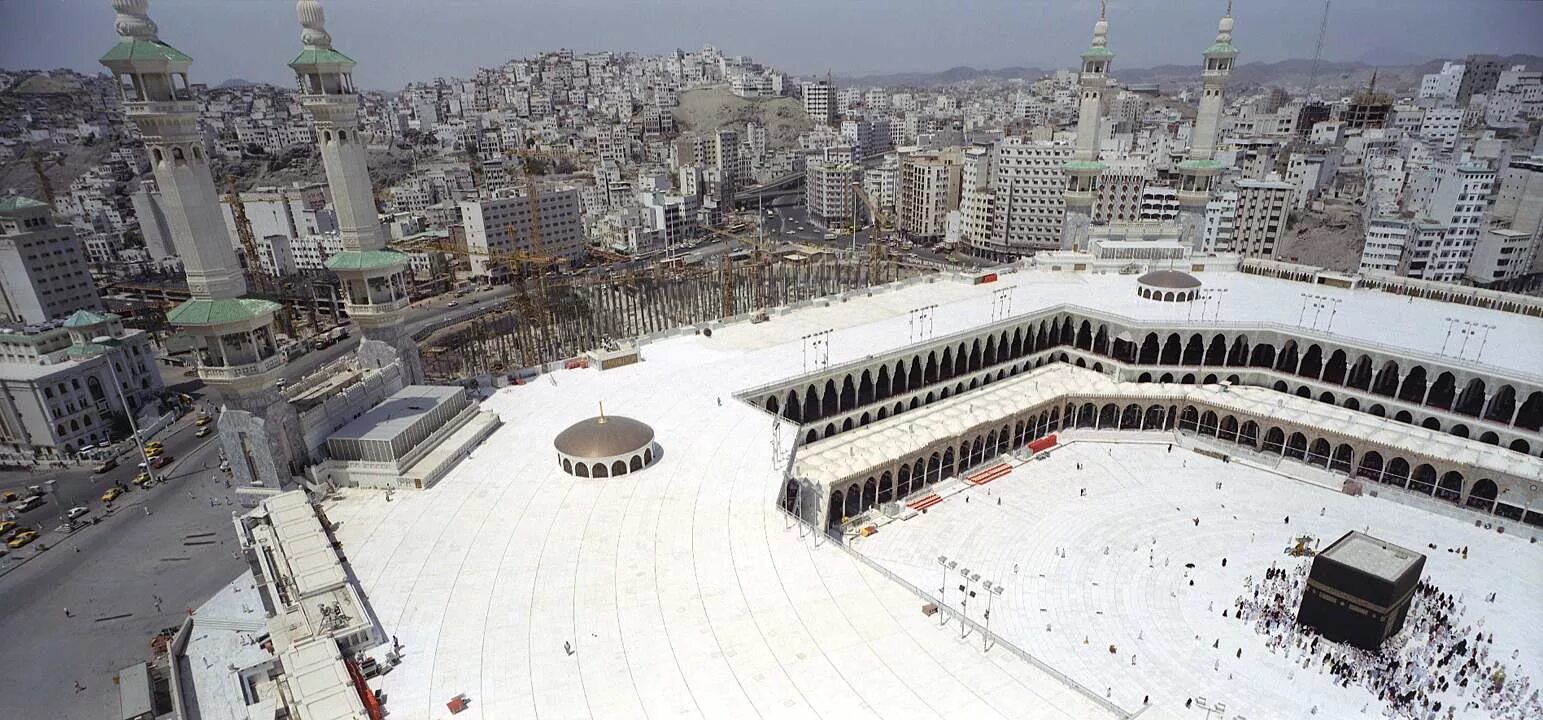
column 1438, row 666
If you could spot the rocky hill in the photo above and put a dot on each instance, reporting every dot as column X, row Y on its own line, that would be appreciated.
column 710, row 108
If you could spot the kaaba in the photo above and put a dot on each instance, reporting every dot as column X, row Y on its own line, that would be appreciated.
column 1359, row 590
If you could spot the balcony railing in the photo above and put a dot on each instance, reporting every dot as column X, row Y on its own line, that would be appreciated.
column 377, row 309
column 235, row 372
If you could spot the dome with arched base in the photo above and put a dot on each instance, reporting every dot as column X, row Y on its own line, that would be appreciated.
column 605, row 446
column 1168, row 286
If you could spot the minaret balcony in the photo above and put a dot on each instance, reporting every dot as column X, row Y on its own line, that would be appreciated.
column 159, row 107
column 230, row 373
column 377, row 309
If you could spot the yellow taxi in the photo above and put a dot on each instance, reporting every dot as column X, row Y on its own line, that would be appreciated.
column 9, row 496
column 153, row 445
column 111, row 494
column 7, row 526
column 141, row 479
column 203, row 420
column 22, row 538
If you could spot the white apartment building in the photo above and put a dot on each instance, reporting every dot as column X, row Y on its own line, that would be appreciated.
column 1029, row 184
column 1501, row 254
column 503, row 225
column 929, row 191
column 1456, row 204
column 1220, row 223
column 1440, row 126
column 977, row 202
column 668, row 220
column 820, row 102
column 828, row 194
column 882, row 183
column 1386, row 238
column 1260, row 219
column 43, row 267
column 1442, row 86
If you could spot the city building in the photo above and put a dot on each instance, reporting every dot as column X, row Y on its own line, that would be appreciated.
column 43, row 267
column 829, row 197
column 1260, row 219
column 502, row 225
column 929, row 191
column 820, row 101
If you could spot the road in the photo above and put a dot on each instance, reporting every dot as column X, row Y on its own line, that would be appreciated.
column 108, row 576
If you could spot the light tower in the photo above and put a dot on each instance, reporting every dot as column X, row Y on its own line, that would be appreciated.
column 1084, row 168
column 258, row 429
column 1197, row 173
column 374, row 278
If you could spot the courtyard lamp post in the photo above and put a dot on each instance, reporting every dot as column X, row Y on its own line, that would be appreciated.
column 964, row 613
column 113, row 343
column 947, row 565
column 991, row 590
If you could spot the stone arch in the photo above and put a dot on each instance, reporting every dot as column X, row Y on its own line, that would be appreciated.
column 1502, row 405
column 1360, row 375
column 1397, row 472
column 1334, row 370
column 772, row 405
column 1521, row 446
column 1386, row 381
column 1109, row 416
column 1404, row 416
column 1286, row 361
column 1189, row 418
column 830, row 429
column 618, row 468
column 1414, row 385
column 848, row 394
column 1530, row 415
column 1312, row 362
column 854, row 502
column 1442, row 392
column 870, row 492
column 1319, row 452
column 947, row 469
column 635, row 464
column 1326, row 397
column 1151, row 348
column 1238, row 355
column 1194, row 350
column 1470, row 401
column 1263, row 356
column 1352, row 404
column 886, row 487
column 1450, row 487
column 581, row 470
column 834, row 513
column 1371, row 466
column 1275, row 441
column 1482, row 495
column 830, row 401
column 1424, row 479
column 599, row 470
column 846, row 425
column 1296, row 446
column 1173, row 347
column 567, row 466
column 1343, row 455
column 1084, row 339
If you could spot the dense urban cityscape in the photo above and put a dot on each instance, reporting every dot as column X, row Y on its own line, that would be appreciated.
column 623, row 384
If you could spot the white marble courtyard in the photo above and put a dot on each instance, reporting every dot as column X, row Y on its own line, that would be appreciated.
column 1141, row 503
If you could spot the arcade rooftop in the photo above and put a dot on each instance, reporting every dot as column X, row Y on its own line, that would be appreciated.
column 683, row 589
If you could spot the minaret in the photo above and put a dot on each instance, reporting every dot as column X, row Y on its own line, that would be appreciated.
column 1197, row 174
column 240, row 358
column 374, row 277
column 1084, row 168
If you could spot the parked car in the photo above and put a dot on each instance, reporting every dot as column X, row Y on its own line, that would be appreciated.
column 76, row 512
column 22, row 538
column 111, row 494
column 6, row 526
column 154, row 445
column 31, row 502
column 160, row 461
column 106, row 465
column 9, row 496
column 203, row 432
column 203, row 420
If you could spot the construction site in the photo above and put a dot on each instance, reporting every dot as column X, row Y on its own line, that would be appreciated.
column 563, row 316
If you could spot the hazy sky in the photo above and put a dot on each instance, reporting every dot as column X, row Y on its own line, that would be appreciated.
column 396, row 41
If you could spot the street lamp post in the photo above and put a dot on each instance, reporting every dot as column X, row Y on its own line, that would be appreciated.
column 112, row 342
column 944, row 563
column 991, row 590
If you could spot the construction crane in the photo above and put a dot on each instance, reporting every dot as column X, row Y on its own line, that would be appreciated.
column 877, row 253
column 244, row 232
column 1323, row 29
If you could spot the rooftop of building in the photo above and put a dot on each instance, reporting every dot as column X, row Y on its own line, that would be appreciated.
column 398, row 412
column 1373, row 556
